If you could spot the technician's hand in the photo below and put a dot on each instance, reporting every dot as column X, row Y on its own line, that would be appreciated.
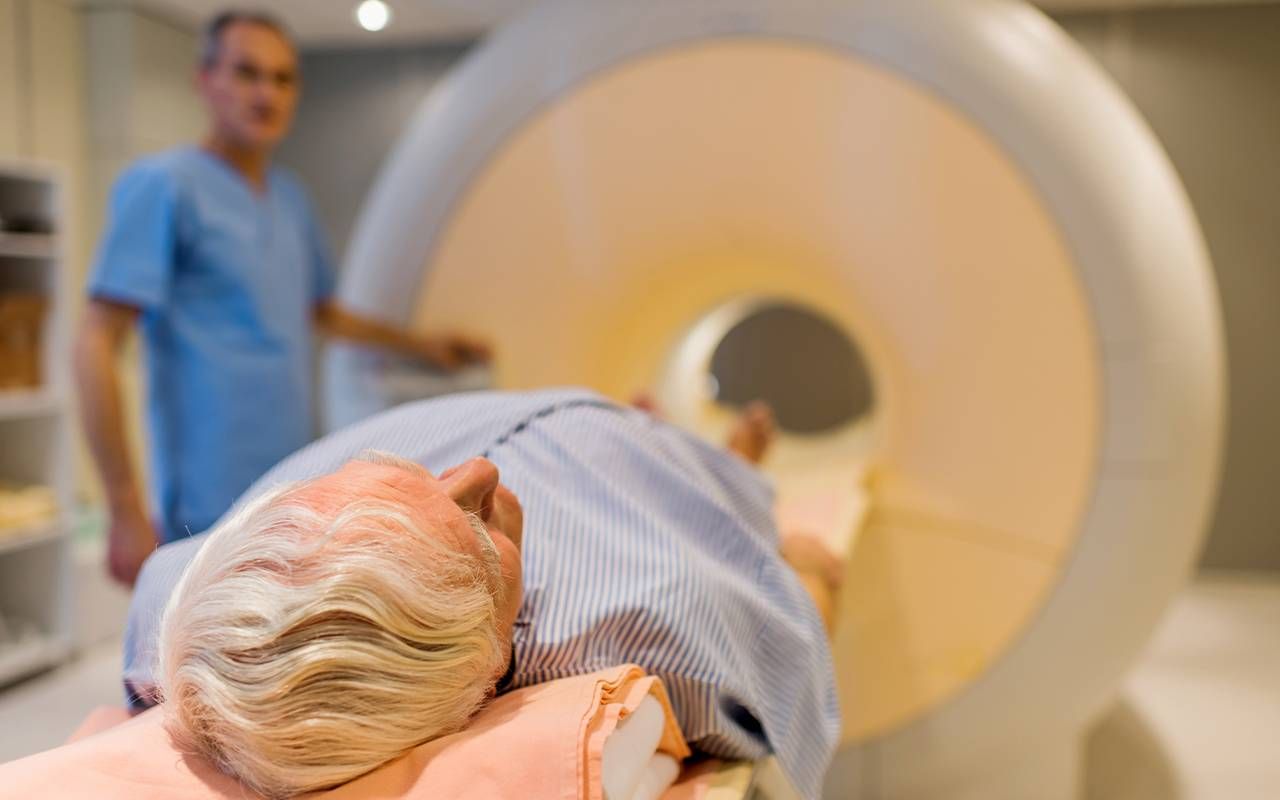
column 131, row 538
column 452, row 351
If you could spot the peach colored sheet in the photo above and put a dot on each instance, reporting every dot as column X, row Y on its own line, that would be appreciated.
column 543, row 741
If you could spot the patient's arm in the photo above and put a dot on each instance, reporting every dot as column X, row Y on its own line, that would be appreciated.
column 819, row 570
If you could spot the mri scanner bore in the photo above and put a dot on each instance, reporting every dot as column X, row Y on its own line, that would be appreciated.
column 800, row 363
column 1025, row 301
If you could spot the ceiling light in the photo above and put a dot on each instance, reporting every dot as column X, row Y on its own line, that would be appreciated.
column 373, row 15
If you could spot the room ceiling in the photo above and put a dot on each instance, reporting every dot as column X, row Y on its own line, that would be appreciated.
column 321, row 23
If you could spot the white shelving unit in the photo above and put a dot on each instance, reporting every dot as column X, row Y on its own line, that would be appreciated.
column 35, row 434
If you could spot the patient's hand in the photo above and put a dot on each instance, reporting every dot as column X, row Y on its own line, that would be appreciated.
column 821, row 572
column 807, row 553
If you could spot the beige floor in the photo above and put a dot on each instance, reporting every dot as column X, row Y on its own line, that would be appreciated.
column 1199, row 718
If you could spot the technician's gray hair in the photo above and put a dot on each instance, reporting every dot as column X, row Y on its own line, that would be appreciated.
column 211, row 33
column 303, row 648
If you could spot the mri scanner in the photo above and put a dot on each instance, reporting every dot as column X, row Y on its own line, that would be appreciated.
column 607, row 189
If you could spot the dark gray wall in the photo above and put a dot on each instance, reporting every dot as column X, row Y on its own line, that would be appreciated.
column 354, row 105
column 1207, row 79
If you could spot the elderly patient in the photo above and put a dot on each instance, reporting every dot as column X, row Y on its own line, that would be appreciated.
column 354, row 605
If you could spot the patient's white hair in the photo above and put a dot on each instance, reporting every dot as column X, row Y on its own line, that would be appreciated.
column 304, row 647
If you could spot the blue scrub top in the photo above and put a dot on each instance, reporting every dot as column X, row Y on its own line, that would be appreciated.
column 227, row 279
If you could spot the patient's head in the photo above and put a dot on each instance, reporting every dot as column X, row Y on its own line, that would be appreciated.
column 331, row 625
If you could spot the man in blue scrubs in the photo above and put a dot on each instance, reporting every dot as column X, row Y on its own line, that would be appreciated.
column 217, row 255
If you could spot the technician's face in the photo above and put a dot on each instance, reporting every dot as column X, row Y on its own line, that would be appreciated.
column 252, row 89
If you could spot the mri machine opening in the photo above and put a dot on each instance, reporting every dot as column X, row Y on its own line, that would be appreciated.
column 778, row 353
column 1003, row 392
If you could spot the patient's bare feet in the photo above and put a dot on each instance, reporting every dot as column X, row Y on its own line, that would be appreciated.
column 753, row 432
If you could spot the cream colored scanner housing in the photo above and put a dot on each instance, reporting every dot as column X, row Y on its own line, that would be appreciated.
column 604, row 188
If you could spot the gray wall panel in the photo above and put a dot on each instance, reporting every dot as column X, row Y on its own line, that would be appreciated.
column 1208, row 81
column 354, row 104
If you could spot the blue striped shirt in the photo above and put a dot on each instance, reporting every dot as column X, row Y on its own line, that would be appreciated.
column 642, row 544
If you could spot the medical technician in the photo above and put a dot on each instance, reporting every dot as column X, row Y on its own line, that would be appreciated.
column 217, row 256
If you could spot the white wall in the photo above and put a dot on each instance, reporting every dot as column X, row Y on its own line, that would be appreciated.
column 42, row 100
column 10, row 66
column 140, row 96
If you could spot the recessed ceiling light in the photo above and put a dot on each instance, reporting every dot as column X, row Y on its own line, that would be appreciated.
column 373, row 15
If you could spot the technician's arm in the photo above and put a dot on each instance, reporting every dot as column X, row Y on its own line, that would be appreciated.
column 102, row 334
column 447, row 351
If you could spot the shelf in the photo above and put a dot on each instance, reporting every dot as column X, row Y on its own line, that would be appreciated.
column 35, row 559
column 28, row 245
column 28, row 403
column 30, row 654
column 13, row 541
